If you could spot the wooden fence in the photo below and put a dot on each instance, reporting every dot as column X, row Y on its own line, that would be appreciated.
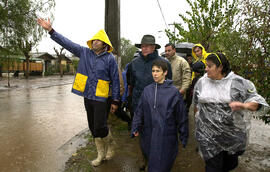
column 21, row 67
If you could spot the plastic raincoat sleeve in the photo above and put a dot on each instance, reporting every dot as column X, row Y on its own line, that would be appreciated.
column 253, row 96
column 114, row 75
column 182, row 120
column 74, row 48
column 137, row 121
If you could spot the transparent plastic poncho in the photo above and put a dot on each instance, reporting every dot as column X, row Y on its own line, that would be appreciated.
column 218, row 128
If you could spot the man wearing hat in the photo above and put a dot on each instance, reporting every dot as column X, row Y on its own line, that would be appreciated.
column 97, row 73
column 141, row 70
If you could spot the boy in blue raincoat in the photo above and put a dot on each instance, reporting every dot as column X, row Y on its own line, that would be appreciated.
column 159, row 117
column 97, row 71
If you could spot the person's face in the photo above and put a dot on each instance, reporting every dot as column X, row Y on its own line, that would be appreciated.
column 158, row 74
column 169, row 51
column 147, row 49
column 189, row 58
column 213, row 71
column 97, row 46
column 198, row 51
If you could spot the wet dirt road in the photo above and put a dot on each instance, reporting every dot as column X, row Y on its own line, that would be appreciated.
column 36, row 119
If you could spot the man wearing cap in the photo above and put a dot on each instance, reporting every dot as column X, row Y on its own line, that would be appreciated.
column 97, row 72
column 141, row 70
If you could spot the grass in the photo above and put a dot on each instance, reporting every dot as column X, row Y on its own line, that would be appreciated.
column 80, row 161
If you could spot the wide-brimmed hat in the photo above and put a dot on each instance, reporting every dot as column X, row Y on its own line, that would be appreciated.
column 148, row 39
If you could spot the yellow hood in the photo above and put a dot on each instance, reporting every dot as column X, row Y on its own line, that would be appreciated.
column 102, row 36
column 204, row 53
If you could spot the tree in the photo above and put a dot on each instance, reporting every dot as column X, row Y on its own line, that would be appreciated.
column 240, row 29
column 205, row 22
column 61, row 55
column 255, row 27
column 19, row 31
column 127, row 52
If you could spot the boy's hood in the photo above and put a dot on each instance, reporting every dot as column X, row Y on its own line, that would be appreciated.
column 102, row 36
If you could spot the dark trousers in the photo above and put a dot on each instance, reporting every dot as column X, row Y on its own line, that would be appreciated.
column 120, row 113
column 223, row 162
column 97, row 117
column 130, row 109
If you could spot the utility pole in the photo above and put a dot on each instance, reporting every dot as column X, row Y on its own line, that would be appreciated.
column 112, row 25
column 173, row 29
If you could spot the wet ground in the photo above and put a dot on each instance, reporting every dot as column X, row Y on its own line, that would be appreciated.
column 37, row 117
column 42, row 124
column 255, row 159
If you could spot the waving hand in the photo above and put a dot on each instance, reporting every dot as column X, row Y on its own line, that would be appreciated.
column 46, row 24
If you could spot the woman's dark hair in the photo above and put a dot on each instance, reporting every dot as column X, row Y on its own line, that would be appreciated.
column 161, row 64
column 220, row 59
column 198, row 67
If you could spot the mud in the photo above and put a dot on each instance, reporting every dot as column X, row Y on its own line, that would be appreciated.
column 255, row 158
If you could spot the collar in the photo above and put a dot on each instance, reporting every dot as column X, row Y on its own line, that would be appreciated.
column 150, row 56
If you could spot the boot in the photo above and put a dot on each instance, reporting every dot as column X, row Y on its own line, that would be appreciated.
column 110, row 144
column 100, row 150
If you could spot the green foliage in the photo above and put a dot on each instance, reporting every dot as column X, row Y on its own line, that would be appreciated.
column 19, row 31
column 205, row 22
column 18, row 24
column 248, row 48
column 127, row 52
column 51, row 70
column 255, row 27
column 238, row 28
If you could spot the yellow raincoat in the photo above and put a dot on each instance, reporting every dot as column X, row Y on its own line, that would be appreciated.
column 203, row 58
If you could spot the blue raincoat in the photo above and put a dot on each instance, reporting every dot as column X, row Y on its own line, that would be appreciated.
column 95, row 73
column 141, row 74
column 159, row 117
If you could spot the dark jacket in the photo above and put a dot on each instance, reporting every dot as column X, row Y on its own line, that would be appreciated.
column 141, row 74
column 124, row 74
column 95, row 73
column 159, row 117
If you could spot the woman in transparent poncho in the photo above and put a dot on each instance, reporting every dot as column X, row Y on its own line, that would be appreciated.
column 224, row 103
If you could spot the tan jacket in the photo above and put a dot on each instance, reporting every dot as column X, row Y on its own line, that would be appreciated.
column 181, row 72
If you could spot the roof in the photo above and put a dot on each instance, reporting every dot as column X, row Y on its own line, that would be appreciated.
column 45, row 56
column 22, row 57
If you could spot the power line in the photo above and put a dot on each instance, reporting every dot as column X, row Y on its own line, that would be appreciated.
column 162, row 15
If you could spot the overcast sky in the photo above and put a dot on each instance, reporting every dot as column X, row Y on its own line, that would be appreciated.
column 80, row 20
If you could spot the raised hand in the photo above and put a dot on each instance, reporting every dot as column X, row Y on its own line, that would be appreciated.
column 46, row 24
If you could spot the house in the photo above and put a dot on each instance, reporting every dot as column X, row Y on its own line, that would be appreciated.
column 47, row 58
